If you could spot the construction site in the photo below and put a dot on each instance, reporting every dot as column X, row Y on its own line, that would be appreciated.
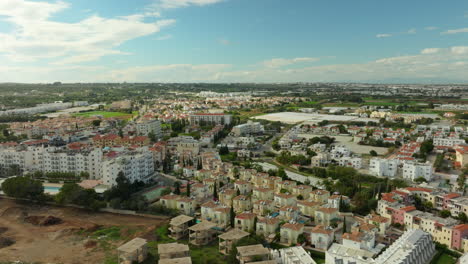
column 50, row 234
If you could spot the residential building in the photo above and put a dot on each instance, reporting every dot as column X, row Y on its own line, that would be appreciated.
column 242, row 203
column 135, row 250
column 135, row 166
column 288, row 213
column 267, row 226
column 245, row 221
column 292, row 255
column 210, row 118
column 229, row 239
column 263, row 207
column 183, row 204
column 325, row 215
column 290, row 232
column 413, row 171
column 320, row 196
column 308, row 207
column 252, row 254
column 144, row 128
column 178, row 226
column 249, row 128
column 173, row 251
column 383, row 167
column 202, row 233
column 284, row 199
column 413, row 247
column 321, row 237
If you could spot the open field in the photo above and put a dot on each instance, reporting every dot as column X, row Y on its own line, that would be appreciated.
column 353, row 146
column 294, row 117
column 79, row 237
column 104, row 114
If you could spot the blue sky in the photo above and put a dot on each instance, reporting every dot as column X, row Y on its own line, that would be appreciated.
column 233, row 41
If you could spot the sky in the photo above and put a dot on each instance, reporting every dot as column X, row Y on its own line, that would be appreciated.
column 417, row 41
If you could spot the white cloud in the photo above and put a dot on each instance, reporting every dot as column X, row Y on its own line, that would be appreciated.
column 168, row 73
column 460, row 50
column 169, row 4
column 455, row 31
column 224, row 41
column 280, row 62
column 430, row 51
column 411, row 31
column 36, row 36
column 165, row 37
column 430, row 28
column 383, row 35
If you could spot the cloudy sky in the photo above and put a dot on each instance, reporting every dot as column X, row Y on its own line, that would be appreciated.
column 233, row 41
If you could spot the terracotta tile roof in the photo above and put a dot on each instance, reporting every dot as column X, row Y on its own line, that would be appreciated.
column 295, row 227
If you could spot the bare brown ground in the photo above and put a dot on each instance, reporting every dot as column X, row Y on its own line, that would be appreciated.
column 60, row 243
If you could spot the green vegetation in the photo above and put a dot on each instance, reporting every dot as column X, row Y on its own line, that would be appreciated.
column 444, row 259
column 104, row 114
column 72, row 193
column 24, row 188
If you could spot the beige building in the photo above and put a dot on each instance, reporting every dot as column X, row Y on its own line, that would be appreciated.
column 181, row 203
column 320, row 196
column 308, row 208
column 252, row 254
column 136, row 250
column 285, row 185
column 178, row 226
column 290, row 232
column 288, row 213
column 230, row 238
column 173, row 251
column 245, row 221
column 244, row 187
column 263, row 207
column 226, row 196
column 302, row 190
column 216, row 213
column 261, row 193
column 202, row 233
column 324, row 216
column 242, row 203
column 267, row 226
column 284, row 199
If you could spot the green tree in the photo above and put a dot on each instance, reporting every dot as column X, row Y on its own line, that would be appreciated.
column 461, row 182
column 215, row 192
column 152, row 137
column 177, row 187
column 188, row 189
column 96, row 122
column 463, row 218
column 373, row 153
column 232, row 216
column 23, row 187
column 445, row 213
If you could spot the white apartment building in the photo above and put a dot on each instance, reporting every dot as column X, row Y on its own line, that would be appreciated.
column 248, row 128
column 355, row 162
column 136, row 166
column 292, row 255
column 151, row 126
column 383, row 167
column 51, row 159
column 413, row 247
column 218, row 119
column 447, row 142
column 9, row 157
column 415, row 170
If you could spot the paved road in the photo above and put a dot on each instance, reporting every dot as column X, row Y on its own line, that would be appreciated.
column 314, row 181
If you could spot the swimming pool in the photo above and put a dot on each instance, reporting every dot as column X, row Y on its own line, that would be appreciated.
column 52, row 189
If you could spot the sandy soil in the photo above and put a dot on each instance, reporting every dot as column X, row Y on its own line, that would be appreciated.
column 58, row 243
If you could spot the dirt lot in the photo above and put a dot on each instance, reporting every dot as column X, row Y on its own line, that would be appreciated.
column 40, row 238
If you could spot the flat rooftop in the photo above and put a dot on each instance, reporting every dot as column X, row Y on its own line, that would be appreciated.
column 186, row 260
column 234, row 234
column 132, row 245
column 180, row 220
column 172, row 248
column 252, row 250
